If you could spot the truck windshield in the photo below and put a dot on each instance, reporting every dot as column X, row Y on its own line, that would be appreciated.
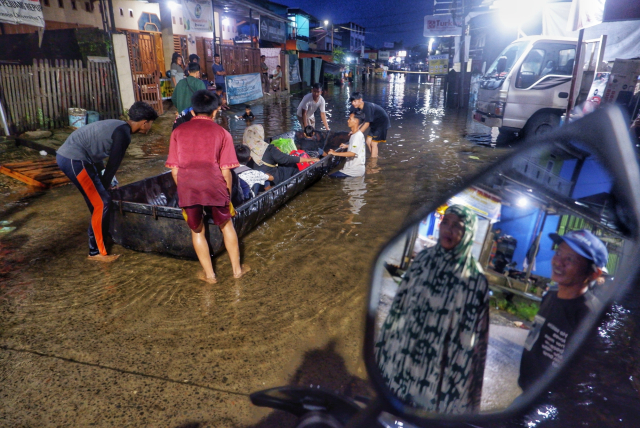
column 505, row 61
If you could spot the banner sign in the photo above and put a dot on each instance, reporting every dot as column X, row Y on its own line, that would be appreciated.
column 383, row 55
column 438, row 64
column 482, row 203
column 585, row 13
column 197, row 15
column 294, row 70
column 440, row 25
column 21, row 12
column 272, row 31
column 243, row 88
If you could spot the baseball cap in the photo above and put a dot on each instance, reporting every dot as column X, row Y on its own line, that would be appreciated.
column 586, row 244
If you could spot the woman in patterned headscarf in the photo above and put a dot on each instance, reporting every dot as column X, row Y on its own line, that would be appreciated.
column 432, row 346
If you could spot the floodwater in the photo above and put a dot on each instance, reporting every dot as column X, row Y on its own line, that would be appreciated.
column 142, row 342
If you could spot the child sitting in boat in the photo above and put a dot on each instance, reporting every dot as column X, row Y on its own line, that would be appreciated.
column 255, row 180
column 311, row 142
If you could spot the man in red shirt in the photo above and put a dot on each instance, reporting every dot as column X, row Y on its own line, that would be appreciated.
column 201, row 157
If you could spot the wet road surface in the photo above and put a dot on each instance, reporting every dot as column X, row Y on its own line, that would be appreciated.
column 142, row 342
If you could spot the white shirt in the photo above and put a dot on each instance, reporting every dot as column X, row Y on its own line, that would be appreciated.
column 253, row 177
column 354, row 166
column 310, row 106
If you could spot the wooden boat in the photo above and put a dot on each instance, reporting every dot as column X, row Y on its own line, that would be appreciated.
column 145, row 215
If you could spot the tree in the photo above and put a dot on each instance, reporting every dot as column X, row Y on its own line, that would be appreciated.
column 338, row 55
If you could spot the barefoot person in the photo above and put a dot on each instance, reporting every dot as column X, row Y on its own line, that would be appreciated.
column 376, row 120
column 201, row 157
column 81, row 157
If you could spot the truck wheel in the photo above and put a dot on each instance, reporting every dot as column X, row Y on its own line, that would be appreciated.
column 541, row 124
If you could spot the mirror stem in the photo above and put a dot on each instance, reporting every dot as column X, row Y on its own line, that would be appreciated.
column 367, row 417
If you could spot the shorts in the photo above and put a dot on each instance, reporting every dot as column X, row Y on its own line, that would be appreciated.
column 195, row 214
column 378, row 132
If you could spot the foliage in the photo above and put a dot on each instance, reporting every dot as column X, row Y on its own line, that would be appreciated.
column 522, row 310
column 339, row 55
column 328, row 77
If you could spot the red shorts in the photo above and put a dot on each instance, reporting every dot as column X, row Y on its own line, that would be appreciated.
column 195, row 213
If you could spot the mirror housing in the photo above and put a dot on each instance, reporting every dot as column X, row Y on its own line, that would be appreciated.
column 605, row 135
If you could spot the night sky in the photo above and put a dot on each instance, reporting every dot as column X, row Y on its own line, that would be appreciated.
column 384, row 20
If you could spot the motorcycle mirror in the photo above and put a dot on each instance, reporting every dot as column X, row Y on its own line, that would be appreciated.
column 486, row 295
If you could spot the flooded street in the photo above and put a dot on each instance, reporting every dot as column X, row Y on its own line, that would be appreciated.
column 142, row 342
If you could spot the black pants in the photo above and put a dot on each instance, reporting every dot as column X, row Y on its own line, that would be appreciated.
column 85, row 176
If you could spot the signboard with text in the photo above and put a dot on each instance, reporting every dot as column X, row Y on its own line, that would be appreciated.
column 438, row 64
column 21, row 12
column 383, row 55
column 440, row 25
column 197, row 15
column 294, row 70
column 243, row 88
column 272, row 31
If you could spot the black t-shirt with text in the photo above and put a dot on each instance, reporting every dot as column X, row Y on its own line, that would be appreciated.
column 553, row 326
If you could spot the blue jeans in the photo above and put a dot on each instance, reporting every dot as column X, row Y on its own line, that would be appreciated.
column 339, row 174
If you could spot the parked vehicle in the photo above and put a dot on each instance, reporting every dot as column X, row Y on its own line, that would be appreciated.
column 526, row 89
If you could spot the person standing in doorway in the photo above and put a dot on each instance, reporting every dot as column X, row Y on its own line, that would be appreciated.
column 81, row 157
column 308, row 106
column 177, row 68
column 201, row 157
column 265, row 73
column 185, row 88
column 376, row 121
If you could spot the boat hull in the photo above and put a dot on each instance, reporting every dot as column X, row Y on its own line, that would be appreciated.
column 145, row 215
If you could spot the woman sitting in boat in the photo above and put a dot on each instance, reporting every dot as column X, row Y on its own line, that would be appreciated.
column 268, row 158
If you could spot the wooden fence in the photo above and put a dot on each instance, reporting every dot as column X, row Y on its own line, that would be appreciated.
column 39, row 96
column 240, row 60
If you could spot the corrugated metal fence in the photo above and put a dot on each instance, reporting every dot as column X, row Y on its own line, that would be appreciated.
column 38, row 96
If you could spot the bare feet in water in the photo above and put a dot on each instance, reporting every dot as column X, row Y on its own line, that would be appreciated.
column 245, row 269
column 203, row 277
column 107, row 259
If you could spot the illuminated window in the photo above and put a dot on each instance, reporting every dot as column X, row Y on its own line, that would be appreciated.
column 60, row 4
column 130, row 13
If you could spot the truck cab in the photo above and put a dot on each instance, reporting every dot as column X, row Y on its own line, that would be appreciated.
column 526, row 89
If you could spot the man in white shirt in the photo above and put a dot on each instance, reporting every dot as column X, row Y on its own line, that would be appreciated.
column 308, row 106
column 356, row 150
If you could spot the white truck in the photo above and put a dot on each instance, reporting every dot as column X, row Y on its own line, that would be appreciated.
column 526, row 89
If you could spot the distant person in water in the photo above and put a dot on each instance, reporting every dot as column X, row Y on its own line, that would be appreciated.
column 356, row 152
column 81, row 157
column 201, row 157
column 248, row 115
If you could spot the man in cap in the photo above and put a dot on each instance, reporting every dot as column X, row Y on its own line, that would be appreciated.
column 579, row 260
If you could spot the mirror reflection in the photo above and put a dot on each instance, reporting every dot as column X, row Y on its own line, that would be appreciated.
column 482, row 297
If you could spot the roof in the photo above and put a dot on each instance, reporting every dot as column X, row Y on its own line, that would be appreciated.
column 243, row 7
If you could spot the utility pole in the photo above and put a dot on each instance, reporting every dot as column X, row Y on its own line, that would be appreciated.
column 463, row 64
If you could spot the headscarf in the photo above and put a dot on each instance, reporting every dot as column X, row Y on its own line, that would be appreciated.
column 431, row 348
column 254, row 138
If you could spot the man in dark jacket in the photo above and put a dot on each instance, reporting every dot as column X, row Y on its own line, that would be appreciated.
column 81, row 157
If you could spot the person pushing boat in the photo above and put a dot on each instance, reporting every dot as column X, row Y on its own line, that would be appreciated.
column 81, row 159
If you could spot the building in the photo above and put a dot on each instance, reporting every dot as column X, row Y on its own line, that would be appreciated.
column 352, row 36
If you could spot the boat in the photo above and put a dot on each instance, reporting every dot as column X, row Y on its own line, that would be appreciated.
column 145, row 215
